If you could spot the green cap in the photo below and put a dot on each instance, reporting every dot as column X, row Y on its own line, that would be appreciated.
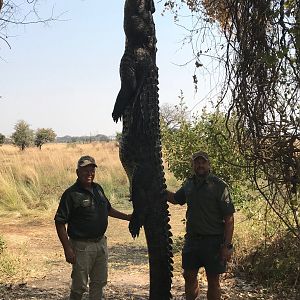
column 200, row 154
column 85, row 161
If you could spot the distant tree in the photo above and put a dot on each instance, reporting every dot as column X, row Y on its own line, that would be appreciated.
column 23, row 135
column 172, row 116
column 2, row 137
column 118, row 137
column 43, row 136
column 101, row 138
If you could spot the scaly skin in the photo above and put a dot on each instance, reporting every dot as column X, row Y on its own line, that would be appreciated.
column 140, row 148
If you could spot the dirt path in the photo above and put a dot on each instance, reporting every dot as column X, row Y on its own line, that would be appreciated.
column 46, row 274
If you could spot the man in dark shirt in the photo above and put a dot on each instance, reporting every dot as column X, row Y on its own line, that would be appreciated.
column 209, row 227
column 85, row 209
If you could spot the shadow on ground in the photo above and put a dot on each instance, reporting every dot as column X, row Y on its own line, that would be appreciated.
column 121, row 256
column 22, row 291
column 233, row 291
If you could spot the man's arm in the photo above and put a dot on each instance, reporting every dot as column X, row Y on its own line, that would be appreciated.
column 228, row 233
column 118, row 215
column 228, row 230
column 177, row 198
column 63, row 237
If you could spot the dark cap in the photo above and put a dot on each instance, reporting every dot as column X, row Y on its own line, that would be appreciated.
column 85, row 161
column 200, row 154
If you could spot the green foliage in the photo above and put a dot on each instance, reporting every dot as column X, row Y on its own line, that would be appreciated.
column 178, row 140
column 8, row 266
column 9, row 263
column 208, row 132
column 264, row 251
column 2, row 139
column 43, row 136
column 23, row 135
column 276, row 264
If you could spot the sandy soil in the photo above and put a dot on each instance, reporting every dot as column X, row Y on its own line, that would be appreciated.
column 46, row 275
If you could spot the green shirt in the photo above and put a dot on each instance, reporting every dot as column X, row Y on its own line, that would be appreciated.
column 208, row 202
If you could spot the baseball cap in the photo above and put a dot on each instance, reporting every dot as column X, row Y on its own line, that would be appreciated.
column 200, row 154
column 85, row 161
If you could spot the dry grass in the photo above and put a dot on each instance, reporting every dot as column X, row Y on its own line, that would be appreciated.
column 34, row 179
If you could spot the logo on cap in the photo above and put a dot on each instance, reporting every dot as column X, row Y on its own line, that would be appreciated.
column 85, row 161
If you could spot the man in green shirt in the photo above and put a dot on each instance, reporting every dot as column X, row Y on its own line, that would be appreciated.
column 209, row 227
column 84, row 208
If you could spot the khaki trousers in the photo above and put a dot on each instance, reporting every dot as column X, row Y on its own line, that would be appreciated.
column 90, row 269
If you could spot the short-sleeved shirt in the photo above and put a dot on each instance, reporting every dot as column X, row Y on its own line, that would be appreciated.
column 208, row 202
column 84, row 212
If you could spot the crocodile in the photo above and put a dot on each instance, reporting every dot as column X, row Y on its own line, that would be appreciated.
column 137, row 105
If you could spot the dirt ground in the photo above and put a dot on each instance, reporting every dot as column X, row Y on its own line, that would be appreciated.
column 46, row 275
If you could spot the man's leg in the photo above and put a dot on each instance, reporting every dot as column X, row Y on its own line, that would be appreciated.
column 80, row 270
column 98, row 273
column 75, row 296
column 214, row 266
column 191, row 284
column 214, row 289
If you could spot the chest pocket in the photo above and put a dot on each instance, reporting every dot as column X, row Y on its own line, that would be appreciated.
column 82, row 200
column 86, row 203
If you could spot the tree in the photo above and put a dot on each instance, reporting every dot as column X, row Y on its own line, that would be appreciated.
column 43, row 136
column 172, row 116
column 261, row 59
column 23, row 135
column 2, row 139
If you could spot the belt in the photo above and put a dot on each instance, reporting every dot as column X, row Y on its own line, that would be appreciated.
column 95, row 240
column 207, row 236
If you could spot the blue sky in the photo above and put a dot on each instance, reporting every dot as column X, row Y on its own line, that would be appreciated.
column 65, row 75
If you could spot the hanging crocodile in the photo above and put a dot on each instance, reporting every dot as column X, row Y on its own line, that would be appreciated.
column 140, row 147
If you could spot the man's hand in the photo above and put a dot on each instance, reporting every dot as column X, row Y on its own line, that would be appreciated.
column 129, row 216
column 63, row 237
column 226, row 253
column 70, row 255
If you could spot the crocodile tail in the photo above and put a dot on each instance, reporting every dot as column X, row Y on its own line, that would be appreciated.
column 159, row 241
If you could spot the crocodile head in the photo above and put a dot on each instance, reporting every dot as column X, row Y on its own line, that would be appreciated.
column 138, row 23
